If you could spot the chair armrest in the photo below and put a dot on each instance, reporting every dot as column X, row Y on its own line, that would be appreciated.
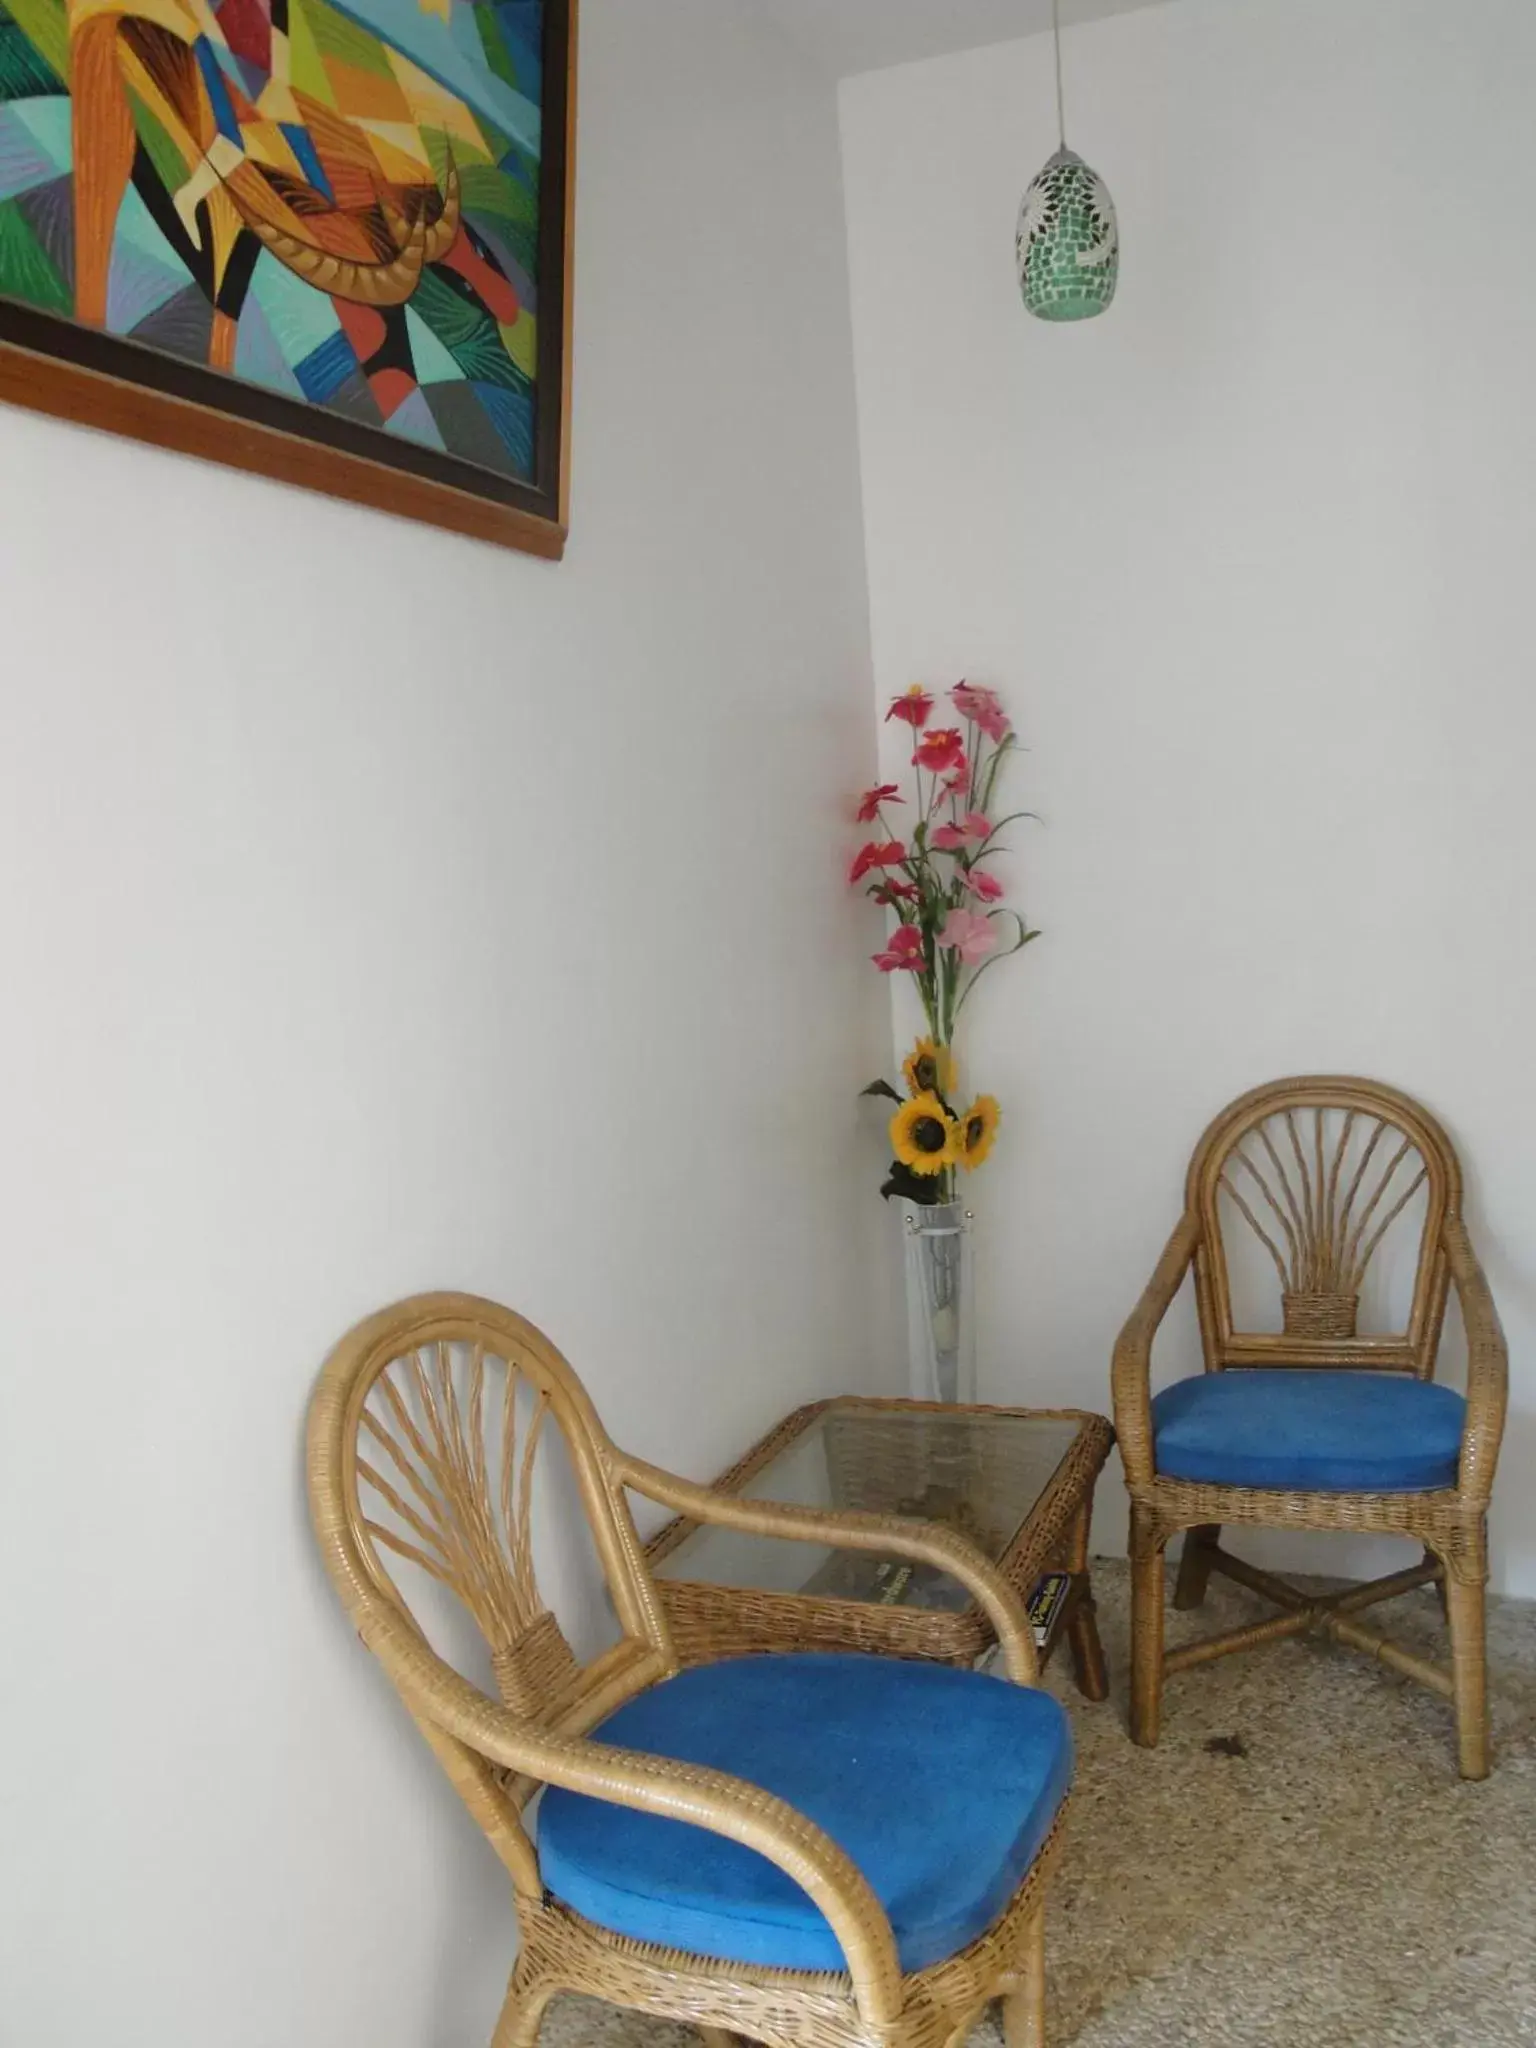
column 1131, row 1370
column 924, row 1542
column 1487, row 1364
column 714, row 1800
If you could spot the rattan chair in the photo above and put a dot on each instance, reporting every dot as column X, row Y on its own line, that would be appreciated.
column 670, row 1793
column 1316, row 1426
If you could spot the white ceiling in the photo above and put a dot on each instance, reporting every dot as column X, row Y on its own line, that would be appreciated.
column 848, row 36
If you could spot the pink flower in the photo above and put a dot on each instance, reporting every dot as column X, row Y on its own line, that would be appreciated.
column 986, row 886
column 983, row 708
column 911, row 707
column 905, row 952
column 891, row 892
column 969, row 934
column 872, row 799
column 973, row 828
column 943, row 751
column 876, row 856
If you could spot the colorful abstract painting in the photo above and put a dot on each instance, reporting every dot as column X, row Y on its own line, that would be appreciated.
column 336, row 210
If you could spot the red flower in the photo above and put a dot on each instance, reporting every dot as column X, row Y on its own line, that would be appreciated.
column 872, row 799
column 905, row 952
column 983, row 708
column 942, row 751
column 891, row 892
column 876, row 856
column 986, row 886
column 911, row 707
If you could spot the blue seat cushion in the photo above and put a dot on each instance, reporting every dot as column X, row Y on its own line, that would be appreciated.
column 1296, row 1431
column 940, row 1784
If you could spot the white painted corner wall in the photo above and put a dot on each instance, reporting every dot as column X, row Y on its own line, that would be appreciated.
column 1251, row 558
column 384, row 911
column 452, row 919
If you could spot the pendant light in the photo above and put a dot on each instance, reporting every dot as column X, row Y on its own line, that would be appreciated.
column 1068, row 245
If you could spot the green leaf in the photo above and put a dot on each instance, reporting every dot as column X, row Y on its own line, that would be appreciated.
column 988, row 846
column 1024, row 938
column 915, row 1187
column 989, row 781
column 882, row 1088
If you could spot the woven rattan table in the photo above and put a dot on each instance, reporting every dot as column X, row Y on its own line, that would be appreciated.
column 1018, row 1481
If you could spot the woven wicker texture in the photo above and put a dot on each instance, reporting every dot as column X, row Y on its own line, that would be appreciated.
column 977, row 1470
column 424, row 1435
column 1293, row 1867
column 1320, row 1169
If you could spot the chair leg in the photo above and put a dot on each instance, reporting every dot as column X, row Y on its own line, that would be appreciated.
column 1195, row 1565
column 1445, row 1605
column 1024, row 2005
column 1147, row 1574
column 1466, row 1603
column 522, row 2015
column 1088, row 1665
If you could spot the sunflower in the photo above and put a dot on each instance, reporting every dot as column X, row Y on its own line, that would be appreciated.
column 923, row 1135
column 976, row 1130
column 930, row 1068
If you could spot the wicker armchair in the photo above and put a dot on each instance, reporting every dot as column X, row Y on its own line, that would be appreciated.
column 672, row 1870
column 1316, row 1426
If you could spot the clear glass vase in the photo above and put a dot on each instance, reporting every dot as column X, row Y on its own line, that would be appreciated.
column 941, row 1313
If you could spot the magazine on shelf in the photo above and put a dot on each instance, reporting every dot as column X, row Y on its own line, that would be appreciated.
column 886, row 1582
column 897, row 1582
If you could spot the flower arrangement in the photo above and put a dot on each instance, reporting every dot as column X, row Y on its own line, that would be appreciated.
column 951, row 924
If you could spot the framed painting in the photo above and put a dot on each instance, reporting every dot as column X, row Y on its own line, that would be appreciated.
column 325, row 240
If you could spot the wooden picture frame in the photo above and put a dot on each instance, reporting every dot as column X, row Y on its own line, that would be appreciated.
column 482, row 446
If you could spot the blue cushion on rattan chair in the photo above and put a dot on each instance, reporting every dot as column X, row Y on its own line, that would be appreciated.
column 940, row 1784
column 1298, row 1431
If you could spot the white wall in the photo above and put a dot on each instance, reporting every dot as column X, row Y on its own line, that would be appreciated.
column 1251, row 557
column 383, row 911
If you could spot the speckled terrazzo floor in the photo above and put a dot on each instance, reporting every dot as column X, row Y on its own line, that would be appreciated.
column 1335, row 1885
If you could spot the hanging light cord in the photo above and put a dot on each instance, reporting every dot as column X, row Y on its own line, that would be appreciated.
column 1061, row 97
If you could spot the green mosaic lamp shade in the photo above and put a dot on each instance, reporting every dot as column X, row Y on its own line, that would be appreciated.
column 1069, row 242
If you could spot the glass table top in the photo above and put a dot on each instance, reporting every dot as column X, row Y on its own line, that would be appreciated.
column 980, row 1473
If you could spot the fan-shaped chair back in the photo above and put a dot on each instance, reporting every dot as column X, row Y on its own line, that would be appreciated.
column 1321, row 1170
column 424, row 1435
